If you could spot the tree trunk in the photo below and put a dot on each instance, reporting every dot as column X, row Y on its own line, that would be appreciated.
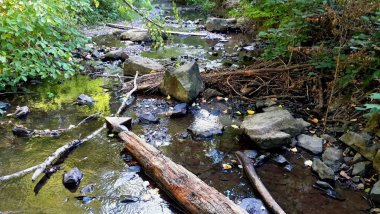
column 180, row 184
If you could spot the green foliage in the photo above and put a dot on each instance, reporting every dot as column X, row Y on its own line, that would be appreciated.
column 37, row 38
column 372, row 107
column 206, row 5
column 283, row 21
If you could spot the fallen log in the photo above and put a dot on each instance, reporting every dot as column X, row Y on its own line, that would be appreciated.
column 180, row 33
column 258, row 185
column 180, row 184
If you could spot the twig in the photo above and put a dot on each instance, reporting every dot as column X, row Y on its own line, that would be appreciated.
column 42, row 166
column 38, row 169
column 75, row 143
column 259, row 186
column 124, row 103
column 141, row 14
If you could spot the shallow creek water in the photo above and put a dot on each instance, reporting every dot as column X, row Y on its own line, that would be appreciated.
column 102, row 159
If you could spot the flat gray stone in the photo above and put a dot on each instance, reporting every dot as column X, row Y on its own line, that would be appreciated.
column 310, row 143
column 362, row 143
column 375, row 192
column 135, row 35
column 141, row 64
column 272, row 129
column 333, row 158
column 323, row 171
column 361, row 168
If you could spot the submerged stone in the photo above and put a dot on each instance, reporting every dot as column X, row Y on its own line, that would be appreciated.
column 184, row 83
column 272, row 129
column 179, row 110
column 253, row 206
column 4, row 106
column 205, row 125
column 72, row 179
column 22, row 112
column 85, row 100
column 148, row 118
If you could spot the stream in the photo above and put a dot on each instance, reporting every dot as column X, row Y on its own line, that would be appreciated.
column 114, row 174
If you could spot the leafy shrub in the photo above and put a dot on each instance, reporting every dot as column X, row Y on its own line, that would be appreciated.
column 37, row 38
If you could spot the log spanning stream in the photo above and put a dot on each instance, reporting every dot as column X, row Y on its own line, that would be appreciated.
column 118, row 181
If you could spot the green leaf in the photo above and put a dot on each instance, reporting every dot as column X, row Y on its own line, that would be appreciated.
column 375, row 96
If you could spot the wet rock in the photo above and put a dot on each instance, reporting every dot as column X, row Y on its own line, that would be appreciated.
column 289, row 167
column 253, row 206
column 148, row 118
column 22, row 132
column 272, row 129
column 179, row 110
column 216, row 156
column 220, row 25
column 280, row 159
column 324, row 185
column 184, row 135
column 115, row 55
column 358, row 158
column 323, row 171
column 328, row 138
column 376, row 161
column 22, row 112
column 375, row 192
column 183, row 83
column 85, row 100
column 72, row 179
column 333, row 157
column 88, row 189
column 141, row 64
column 310, row 143
column 210, row 93
column 251, row 153
column 205, row 125
column 4, row 106
column 157, row 136
column 135, row 35
column 361, row 168
column 361, row 143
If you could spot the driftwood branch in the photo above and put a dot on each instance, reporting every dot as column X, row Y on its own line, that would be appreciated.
column 42, row 166
column 123, row 27
column 38, row 169
column 259, row 186
column 125, row 101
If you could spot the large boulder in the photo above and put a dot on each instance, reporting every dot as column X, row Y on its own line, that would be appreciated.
column 220, row 25
column 184, row 83
column 141, row 64
column 135, row 35
column 362, row 143
column 273, row 128
column 205, row 125
column 311, row 143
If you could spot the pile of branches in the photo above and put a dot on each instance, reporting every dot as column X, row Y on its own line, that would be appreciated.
column 263, row 79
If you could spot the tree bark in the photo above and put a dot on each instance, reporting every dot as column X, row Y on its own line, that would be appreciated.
column 180, row 184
